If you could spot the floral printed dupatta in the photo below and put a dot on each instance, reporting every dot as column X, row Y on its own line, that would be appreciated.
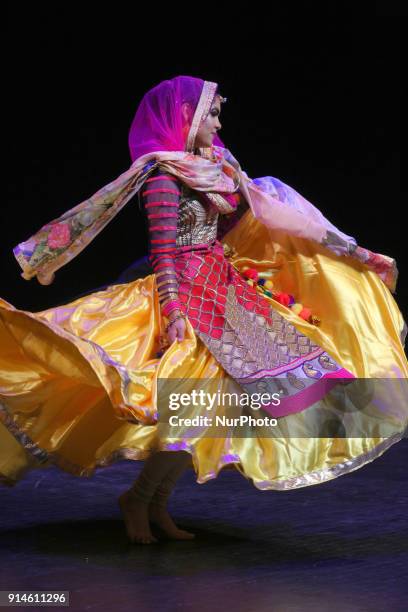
column 158, row 137
column 273, row 203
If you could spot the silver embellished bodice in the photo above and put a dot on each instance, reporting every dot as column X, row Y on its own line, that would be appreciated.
column 197, row 219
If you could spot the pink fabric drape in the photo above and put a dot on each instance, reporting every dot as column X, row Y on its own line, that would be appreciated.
column 158, row 124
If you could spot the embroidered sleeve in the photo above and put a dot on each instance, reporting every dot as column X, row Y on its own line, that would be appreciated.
column 160, row 198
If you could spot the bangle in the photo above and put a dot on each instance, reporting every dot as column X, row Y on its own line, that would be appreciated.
column 167, row 281
column 169, row 310
column 166, row 296
column 170, row 306
column 164, row 272
column 180, row 316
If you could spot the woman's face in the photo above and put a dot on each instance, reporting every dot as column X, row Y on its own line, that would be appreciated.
column 211, row 124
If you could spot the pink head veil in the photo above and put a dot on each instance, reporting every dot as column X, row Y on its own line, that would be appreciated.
column 158, row 124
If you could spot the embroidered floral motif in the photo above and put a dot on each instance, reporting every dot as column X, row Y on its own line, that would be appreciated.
column 327, row 363
column 59, row 236
column 310, row 371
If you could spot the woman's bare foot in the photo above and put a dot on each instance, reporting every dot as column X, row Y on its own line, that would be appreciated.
column 159, row 516
column 136, row 516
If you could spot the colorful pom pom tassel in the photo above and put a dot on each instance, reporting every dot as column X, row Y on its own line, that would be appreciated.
column 296, row 307
column 265, row 286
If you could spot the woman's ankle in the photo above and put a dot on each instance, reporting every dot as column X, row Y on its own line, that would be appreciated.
column 136, row 498
column 157, row 506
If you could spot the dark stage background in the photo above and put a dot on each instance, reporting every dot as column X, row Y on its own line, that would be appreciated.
column 316, row 103
column 315, row 98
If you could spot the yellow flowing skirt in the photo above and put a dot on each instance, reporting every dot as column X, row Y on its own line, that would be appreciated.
column 78, row 382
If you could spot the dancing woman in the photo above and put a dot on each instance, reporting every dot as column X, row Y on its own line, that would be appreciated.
column 251, row 288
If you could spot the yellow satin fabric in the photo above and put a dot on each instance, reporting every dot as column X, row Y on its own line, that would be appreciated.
column 73, row 377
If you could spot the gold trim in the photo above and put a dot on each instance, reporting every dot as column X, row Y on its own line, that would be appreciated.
column 295, row 482
column 223, row 206
column 162, row 273
column 168, row 281
column 28, row 272
column 202, row 110
column 168, row 298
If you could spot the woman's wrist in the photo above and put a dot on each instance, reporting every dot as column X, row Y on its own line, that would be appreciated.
column 174, row 317
column 174, row 313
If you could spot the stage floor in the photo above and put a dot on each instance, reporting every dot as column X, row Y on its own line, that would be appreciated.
column 338, row 546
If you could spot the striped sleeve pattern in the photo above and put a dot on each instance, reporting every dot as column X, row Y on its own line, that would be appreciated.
column 160, row 198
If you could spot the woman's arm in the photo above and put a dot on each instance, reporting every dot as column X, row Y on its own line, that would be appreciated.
column 160, row 198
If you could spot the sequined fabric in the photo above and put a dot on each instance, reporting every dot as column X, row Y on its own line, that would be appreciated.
column 197, row 221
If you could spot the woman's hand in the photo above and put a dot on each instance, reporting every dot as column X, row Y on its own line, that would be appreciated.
column 176, row 329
